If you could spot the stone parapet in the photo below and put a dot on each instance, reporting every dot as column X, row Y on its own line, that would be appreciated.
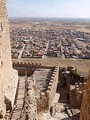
column 26, row 64
column 46, row 98
column 79, row 91
column 50, row 93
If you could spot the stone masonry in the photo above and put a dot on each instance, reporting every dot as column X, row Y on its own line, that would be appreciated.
column 8, row 76
column 85, row 108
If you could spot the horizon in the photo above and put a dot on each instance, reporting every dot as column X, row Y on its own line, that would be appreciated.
column 49, row 9
column 50, row 18
column 37, row 19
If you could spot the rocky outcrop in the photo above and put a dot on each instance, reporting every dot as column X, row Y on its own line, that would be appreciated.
column 85, row 108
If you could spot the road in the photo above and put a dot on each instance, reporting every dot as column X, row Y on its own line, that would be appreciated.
column 21, row 52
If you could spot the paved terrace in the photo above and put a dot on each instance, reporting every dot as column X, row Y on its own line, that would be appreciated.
column 42, row 78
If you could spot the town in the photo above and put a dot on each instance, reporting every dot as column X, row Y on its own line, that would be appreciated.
column 46, row 43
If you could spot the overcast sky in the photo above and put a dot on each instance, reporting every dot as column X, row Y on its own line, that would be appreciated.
column 49, row 8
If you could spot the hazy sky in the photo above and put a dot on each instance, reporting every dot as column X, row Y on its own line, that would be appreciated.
column 49, row 8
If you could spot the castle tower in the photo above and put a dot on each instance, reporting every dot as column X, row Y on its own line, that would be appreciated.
column 7, row 74
column 5, row 44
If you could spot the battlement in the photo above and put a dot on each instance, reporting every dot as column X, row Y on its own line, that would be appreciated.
column 52, row 86
column 79, row 90
column 47, row 96
column 26, row 64
column 45, row 80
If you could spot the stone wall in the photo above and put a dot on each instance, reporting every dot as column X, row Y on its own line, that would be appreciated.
column 30, row 105
column 5, row 61
column 85, row 108
column 5, row 43
column 26, row 64
column 79, row 91
column 45, row 99
column 50, row 93
column 8, row 76
column 42, row 102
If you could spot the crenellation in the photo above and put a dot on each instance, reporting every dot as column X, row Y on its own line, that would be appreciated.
column 50, row 84
column 79, row 90
column 51, row 80
column 26, row 64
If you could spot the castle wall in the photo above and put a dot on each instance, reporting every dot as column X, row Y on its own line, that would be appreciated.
column 5, row 59
column 45, row 99
column 9, row 77
column 85, row 107
column 52, row 87
column 79, row 90
column 30, row 105
column 26, row 64
column 5, row 43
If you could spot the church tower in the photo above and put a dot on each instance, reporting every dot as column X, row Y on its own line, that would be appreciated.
column 7, row 75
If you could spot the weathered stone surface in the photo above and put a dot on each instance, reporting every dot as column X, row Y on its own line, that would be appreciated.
column 8, row 76
column 85, row 108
